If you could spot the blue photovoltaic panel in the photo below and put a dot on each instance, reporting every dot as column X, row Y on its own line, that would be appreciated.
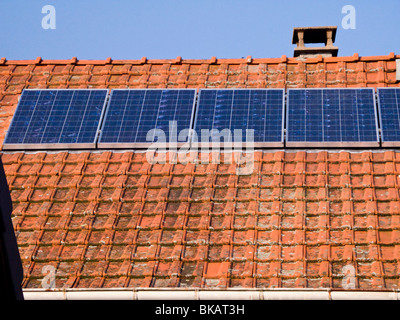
column 331, row 117
column 63, row 118
column 132, row 113
column 258, row 109
column 389, row 112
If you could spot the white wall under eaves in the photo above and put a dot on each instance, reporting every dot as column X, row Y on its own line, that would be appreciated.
column 398, row 69
column 202, row 294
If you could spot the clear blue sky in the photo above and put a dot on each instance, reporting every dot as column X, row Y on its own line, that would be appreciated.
column 193, row 29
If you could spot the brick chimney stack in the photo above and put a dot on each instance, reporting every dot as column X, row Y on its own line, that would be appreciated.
column 326, row 35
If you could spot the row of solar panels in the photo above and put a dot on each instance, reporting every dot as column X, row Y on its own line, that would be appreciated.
column 89, row 118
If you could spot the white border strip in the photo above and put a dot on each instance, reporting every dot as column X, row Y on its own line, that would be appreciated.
column 201, row 294
column 398, row 69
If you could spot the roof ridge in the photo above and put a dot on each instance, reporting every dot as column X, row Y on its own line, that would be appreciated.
column 212, row 60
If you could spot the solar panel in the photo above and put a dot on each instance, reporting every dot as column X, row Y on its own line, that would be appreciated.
column 56, row 119
column 332, row 117
column 389, row 116
column 132, row 114
column 261, row 110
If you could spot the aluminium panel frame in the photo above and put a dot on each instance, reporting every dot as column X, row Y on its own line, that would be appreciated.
column 386, row 143
column 56, row 146
column 240, row 145
column 143, row 145
column 333, row 144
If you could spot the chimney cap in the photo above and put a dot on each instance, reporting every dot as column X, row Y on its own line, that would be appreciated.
column 314, row 34
column 326, row 35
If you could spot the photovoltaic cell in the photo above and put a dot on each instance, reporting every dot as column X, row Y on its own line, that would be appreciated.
column 63, row 118
column 332, row 117
column 260, row 110
column 389, row 113
column 133, row 113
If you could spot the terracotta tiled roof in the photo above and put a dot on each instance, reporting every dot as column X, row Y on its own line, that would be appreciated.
column 111, row 219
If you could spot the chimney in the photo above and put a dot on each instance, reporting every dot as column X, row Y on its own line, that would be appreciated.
column 326, row 35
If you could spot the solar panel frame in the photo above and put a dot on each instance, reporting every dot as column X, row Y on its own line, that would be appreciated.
column 333, row 144
column 142, row 145
column 278, row 144
column 382, row 130
column 56, row 146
